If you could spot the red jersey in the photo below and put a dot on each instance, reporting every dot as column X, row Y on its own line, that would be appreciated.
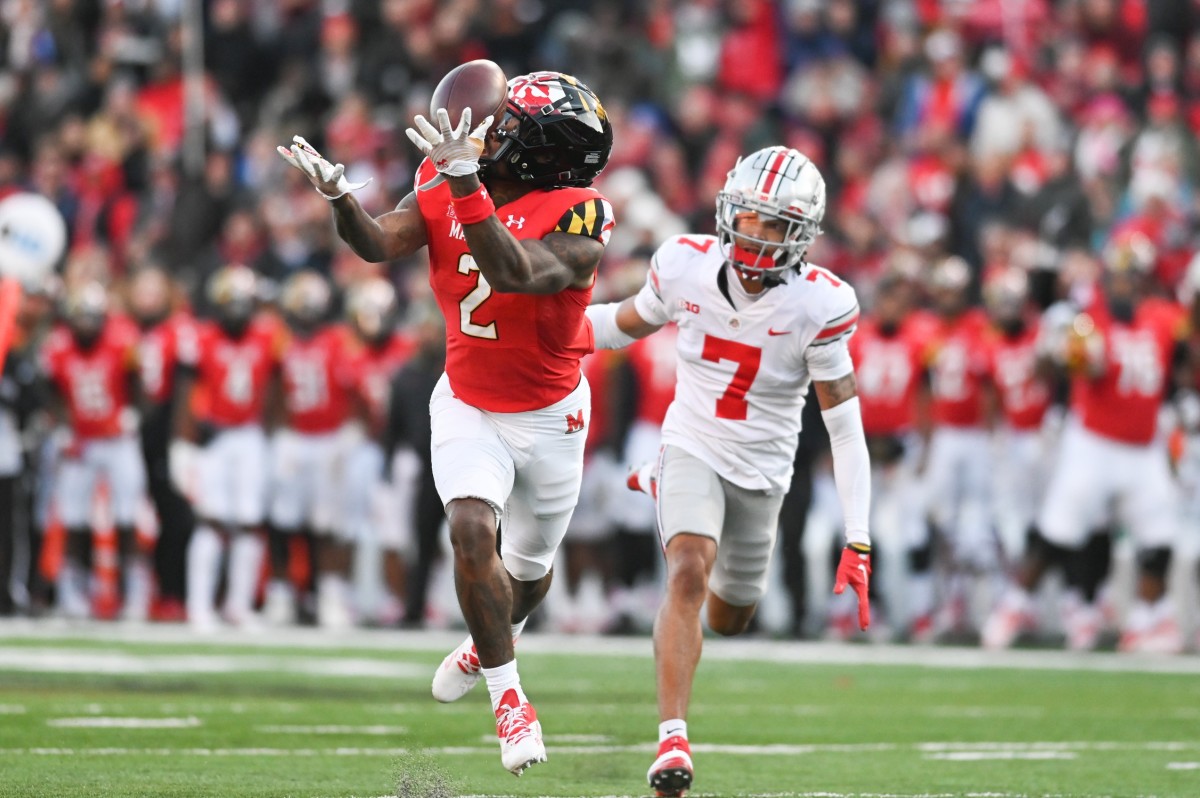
column 1123, row 404
column 888, row 370
column 94, row 382
column 318, row 375
column 373, row 371
column 1024, row 396
column 957, row 359
column 653, row 361
column 508, row 352
column 162, row 348
column 232, row 374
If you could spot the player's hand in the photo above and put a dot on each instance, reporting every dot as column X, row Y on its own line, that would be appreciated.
column 855, row 570
column 453, row 151
column 328, row 179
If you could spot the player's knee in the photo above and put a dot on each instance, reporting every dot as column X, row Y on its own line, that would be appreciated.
column 1046, row 552
column 1155, row 562
column 687, row 575
column 473, row 534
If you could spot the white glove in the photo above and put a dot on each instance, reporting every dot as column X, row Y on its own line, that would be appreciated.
column 327, row 178
column 183, row 462
column 453, row 152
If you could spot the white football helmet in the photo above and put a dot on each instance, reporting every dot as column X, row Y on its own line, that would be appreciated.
column 776, row 182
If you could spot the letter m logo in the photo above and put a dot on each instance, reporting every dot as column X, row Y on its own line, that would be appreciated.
column 575, row 422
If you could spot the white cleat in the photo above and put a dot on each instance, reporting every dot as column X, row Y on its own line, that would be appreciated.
column 459, row 672
column 520, row 734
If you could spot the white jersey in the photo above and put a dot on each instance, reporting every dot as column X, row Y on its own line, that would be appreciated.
column 743, row 374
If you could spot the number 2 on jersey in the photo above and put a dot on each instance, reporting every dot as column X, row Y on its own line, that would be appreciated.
column 471, row 302
column 733, row 405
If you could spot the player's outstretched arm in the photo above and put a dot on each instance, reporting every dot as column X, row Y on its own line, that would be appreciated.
column 389, row 236
column 396, row 234
column 852, row 475
column 618, row 324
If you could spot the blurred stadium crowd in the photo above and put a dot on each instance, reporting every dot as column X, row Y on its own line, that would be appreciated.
column 990, row 165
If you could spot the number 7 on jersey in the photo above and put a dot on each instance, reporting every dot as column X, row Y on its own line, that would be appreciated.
column 732, row 404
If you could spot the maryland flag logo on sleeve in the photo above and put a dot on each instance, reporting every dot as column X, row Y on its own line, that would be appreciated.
column 592, row 218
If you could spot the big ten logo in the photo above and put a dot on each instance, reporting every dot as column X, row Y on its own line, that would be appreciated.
column 689, row 307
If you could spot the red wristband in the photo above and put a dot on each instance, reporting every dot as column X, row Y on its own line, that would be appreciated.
column 473, row 208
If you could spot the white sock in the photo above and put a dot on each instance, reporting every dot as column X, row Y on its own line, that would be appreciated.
column 500, row 680
column 518, row 627
column 138, row 584
column 203, row 563
column 245, row 565
column 675, row 727
column 73, row 595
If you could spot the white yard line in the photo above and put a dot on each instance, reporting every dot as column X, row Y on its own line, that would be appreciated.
column 76, row 660
column 378, row 731
column 776, row 651
column 1183, row 766
column 94, row 722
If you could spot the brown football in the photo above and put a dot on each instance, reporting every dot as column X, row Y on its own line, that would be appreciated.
column 479, row 85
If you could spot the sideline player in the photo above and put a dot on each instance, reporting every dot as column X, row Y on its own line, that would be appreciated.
column 757, row 323
column 91, row 362
column 513, row 251
column 224, row 388
column 1112, row 463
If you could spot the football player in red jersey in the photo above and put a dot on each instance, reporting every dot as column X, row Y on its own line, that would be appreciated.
column 224, row 389
column 1023, row 395
column 888, row 352
column 166, row 334
column 513, row 252
column 957, row 478
column 382, row 350
column 306, row 452
column 91, row 363
column 1119, row 357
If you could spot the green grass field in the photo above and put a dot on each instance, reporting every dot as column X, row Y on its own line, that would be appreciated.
column 101, row 714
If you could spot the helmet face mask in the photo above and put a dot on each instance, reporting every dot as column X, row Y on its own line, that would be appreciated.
column 554, row 132
column 776, row 184
column 233, row 291
column 371, row 307
column 305, row 300
column 86, row 311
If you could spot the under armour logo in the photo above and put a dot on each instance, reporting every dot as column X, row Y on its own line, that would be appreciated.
column 520, row 223
column 442, row 163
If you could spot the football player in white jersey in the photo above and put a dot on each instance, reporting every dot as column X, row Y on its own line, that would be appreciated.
column 757, row 324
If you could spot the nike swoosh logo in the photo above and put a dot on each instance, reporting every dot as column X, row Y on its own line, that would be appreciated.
column 778, row 332
column 673, row 732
